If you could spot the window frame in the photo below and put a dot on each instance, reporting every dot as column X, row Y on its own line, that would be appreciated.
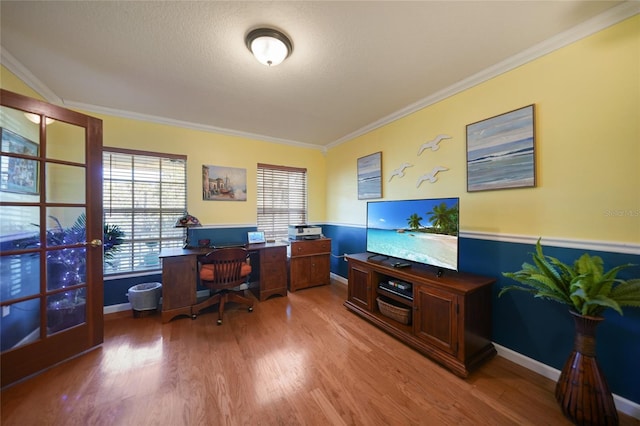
column 275, row 220
column 136, row 247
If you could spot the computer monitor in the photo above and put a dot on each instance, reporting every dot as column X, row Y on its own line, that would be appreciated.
column 256, row 237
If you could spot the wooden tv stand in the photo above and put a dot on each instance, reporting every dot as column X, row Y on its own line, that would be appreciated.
column 450, row 315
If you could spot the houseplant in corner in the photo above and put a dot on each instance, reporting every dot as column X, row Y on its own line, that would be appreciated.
column 66, row 268
column 588, row 291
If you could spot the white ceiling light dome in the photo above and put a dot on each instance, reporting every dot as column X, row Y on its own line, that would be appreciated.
column 269, row 46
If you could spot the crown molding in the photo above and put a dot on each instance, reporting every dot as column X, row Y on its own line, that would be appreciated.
column 13, row 65
column 187, row 125
column 587, row 28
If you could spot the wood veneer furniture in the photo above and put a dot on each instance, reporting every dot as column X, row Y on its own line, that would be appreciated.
column 224, row 271
column 451, row 314
column 180, row 276
column 309, row 263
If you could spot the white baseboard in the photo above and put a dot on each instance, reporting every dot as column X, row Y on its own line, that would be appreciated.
column 623, row 405
column 339, row 278
column 112, row 309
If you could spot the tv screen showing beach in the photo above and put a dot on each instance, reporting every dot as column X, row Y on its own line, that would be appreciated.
column 423, row 231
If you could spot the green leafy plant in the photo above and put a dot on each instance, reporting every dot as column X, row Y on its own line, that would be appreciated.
column 584, row 287
column 113, row 236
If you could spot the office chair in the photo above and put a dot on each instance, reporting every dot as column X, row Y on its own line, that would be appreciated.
column 226, row 272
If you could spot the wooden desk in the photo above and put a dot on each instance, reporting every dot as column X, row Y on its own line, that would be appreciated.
column 180, row 276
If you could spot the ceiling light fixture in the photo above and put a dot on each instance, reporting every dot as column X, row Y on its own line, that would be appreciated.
column 269, row 46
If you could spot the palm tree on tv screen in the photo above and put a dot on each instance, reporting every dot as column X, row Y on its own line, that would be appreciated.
column 414, row 221
column 444, row 220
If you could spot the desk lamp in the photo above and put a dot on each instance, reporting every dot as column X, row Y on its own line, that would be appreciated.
column 187, row 221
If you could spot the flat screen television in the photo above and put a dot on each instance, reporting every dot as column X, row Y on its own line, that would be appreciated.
column 423, row 231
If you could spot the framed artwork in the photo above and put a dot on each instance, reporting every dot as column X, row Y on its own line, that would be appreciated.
column 224, row 183
column 370, row 176
column 501, row 151
column 18, row 174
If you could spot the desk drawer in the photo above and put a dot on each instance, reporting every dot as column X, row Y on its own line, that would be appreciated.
column 276, row 254
column 310, row 247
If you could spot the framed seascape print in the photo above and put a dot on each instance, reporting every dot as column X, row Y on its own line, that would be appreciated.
column 370, row 176
column 18, row 174
column 224, row 183
column 501, row 151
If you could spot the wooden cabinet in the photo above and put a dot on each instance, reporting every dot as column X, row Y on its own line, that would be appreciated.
column 449, row 315
column 178, row 284
column 273, row 273
column 309, row 263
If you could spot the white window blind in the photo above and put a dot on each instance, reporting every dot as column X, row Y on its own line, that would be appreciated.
column 144, row 194
column 282, row 199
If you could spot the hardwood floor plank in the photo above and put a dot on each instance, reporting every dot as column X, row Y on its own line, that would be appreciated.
column 297, row 360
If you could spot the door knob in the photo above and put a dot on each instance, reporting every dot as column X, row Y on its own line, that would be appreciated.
column 95, row 243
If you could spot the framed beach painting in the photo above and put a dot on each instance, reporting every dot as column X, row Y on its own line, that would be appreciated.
column 370, row 176
column 501, row 151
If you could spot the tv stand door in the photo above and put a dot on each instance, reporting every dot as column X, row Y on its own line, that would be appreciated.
column 435, row 318
column 360, row 290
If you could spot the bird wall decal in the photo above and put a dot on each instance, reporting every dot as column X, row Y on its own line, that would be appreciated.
column 433, row 144
column 431, row 176
column 399, row 171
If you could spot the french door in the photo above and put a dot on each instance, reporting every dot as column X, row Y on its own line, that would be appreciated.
column 51, row 256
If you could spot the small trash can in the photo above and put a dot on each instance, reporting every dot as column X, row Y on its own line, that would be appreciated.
column 144, row 297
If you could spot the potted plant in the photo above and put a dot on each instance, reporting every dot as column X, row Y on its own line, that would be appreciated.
column 66, row 268
column 588, row 291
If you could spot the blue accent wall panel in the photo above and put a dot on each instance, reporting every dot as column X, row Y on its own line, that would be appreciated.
column 539, row 329
column 344, row 239
column 115, row 291
column 219, row 235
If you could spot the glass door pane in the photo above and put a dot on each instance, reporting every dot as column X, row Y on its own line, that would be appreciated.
column 19, row 229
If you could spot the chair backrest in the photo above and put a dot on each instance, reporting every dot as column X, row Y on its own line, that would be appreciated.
column 226, row 265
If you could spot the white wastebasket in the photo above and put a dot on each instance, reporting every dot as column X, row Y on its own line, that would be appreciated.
column 145, row 296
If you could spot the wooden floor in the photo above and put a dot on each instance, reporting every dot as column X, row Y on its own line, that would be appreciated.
column 299, row 360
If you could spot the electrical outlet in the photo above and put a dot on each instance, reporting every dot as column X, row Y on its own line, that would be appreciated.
column 6, row 310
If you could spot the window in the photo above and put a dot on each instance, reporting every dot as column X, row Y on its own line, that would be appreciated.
column 282, row 199
column 144, row 194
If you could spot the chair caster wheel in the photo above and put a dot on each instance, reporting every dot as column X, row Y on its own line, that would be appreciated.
column 250, row 309
column 219, row 322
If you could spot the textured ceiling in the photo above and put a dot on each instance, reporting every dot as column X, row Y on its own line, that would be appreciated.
column 354, row 64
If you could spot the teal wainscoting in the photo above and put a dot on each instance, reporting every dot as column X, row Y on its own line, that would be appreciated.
column 538, row 329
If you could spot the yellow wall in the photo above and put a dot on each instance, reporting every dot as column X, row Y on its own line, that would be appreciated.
column 587, row 100
column 205, row 148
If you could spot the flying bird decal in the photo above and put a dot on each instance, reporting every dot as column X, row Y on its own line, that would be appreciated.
column 433, row 144
column 399, row 171
column 431, row 176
